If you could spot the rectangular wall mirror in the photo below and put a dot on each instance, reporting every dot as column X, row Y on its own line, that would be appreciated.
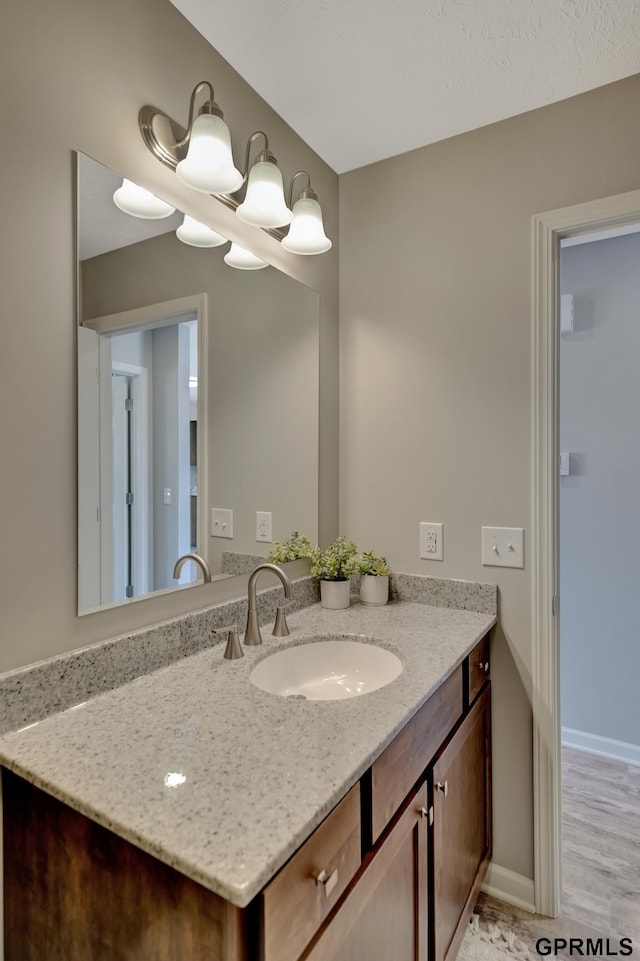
column 197, row 390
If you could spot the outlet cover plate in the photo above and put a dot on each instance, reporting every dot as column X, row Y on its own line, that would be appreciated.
column 221, row 522
column 263, row 526
column 431, row 545
column 503, row 547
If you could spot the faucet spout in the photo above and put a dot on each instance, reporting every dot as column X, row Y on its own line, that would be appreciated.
column 200, row 561
column 252, row 635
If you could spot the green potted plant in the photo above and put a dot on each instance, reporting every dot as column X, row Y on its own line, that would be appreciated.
column 290, row 550
column 374, row 579
column 333, row 567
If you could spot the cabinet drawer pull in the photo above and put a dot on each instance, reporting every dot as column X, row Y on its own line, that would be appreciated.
column 484, row 666
column 327, row 881
column 444, row 787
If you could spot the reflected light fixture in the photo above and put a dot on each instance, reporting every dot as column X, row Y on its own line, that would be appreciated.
column 306, row 233
column 208, row 166
column 195, row 234
column 243, row 259
column 135, row 200
column 202, row 158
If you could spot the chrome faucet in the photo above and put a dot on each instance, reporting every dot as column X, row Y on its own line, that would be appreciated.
column 200, row 561
column 252, row 635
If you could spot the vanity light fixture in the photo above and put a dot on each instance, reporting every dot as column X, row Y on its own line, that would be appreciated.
column 208, row 165
column 306, row 233
column 202, row 158
column 243, row 259
column 135, row 200
column 264, row 204
column 195, row 234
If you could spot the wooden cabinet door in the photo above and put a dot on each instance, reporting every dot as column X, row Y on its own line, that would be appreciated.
column 385, row 914
column 462, row 826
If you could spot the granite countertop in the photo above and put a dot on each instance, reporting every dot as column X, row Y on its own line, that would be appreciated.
column 223, row 781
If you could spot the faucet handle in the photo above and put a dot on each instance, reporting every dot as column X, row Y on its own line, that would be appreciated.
column 281, row 628
column 233, row 650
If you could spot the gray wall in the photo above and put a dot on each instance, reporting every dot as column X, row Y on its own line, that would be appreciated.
column 435, row 357
column 78, row 72
column 599, row 514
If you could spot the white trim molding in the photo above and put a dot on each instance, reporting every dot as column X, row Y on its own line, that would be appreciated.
column 507, row 886
column 548, row 229
column 602, row 746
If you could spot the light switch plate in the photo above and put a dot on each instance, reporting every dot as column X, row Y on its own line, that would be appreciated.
column 503, row 546
column 221, row 522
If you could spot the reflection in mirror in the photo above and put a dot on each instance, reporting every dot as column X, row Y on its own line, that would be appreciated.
column 197, row 390
column 138, row 429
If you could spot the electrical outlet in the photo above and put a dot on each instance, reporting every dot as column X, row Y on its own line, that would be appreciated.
column 221, row 522
column 431, row 546
column 263, row 526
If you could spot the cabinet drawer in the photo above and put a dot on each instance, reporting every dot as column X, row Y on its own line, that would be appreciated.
column 298, row 899
column 401, row 764
column 478, row 667
column 385, row 913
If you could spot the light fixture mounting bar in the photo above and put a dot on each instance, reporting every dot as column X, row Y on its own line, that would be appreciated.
column 166, row 140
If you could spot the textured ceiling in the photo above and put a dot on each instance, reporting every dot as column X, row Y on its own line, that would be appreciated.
column 361, row 80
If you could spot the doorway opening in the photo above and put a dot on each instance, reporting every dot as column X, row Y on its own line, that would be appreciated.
column 549, row 229
column 599, row 398
column 141, row 450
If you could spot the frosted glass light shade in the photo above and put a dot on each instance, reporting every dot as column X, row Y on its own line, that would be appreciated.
column 306, row 233
column 209, row 165
column 138, row 202
column 243, row 259
column 264, row 204
column 195, row 234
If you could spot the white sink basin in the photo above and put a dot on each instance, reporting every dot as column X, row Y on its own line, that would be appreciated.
column 326, row 670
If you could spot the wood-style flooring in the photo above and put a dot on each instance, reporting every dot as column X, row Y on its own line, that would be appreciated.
column 601, row 858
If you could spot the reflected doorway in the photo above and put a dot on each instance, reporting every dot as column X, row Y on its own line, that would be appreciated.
column 138, row 456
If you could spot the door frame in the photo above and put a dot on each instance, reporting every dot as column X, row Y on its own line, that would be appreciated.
column 548, row 229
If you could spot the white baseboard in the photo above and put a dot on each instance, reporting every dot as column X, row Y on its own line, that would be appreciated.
column 506, row 885
column 602, row 746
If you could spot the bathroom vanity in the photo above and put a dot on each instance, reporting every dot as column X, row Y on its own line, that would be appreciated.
column 189, row 815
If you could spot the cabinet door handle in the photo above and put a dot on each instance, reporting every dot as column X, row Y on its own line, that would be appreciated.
column 426, row 813
column 484, row 666
column 327, row 881
column 443, row 786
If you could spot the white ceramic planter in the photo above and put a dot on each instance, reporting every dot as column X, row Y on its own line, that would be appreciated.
column 335, row 595
column 374, row 589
